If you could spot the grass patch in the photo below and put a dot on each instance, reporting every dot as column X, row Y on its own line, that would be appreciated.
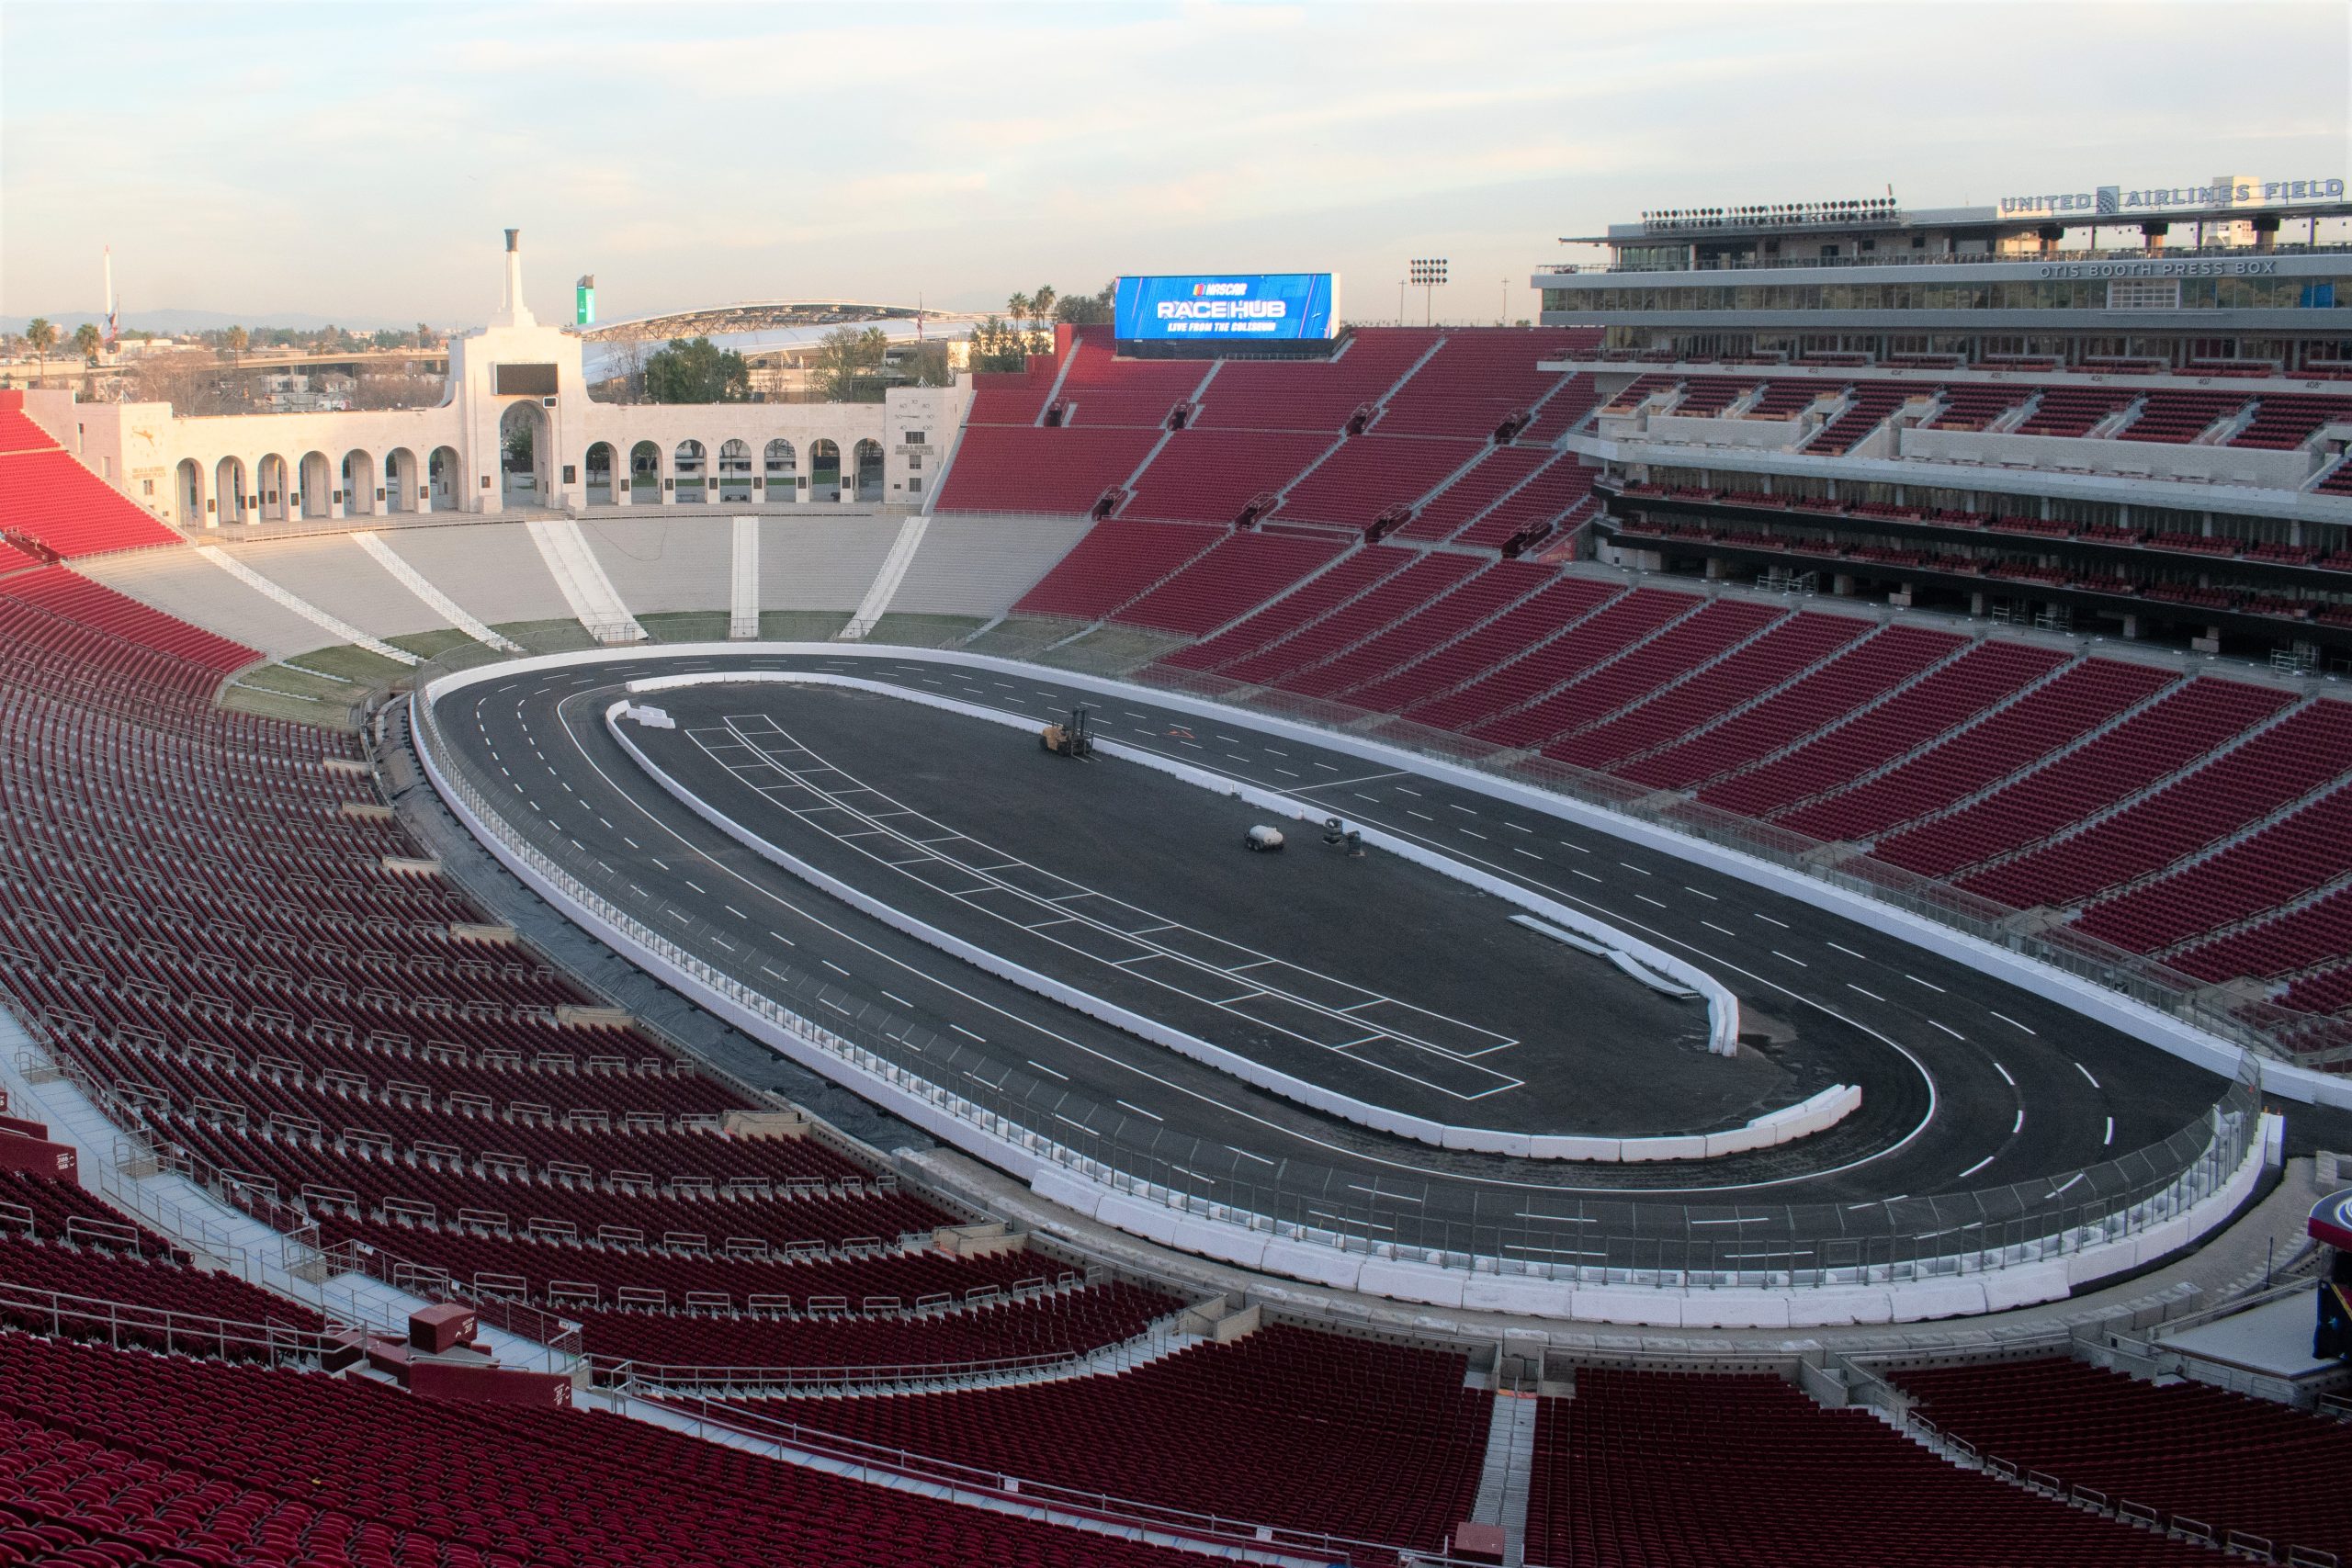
column 922, row 631
column 351, row 662
column 1020, row 637
column 331, row 714
column 801, row 626
column 1111, row 650
column 547, row 637
column 433, row 644
column 686, row 626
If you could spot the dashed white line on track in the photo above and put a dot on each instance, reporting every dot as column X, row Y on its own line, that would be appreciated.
column 1770, row 922
column 1929, row 984
column 1848, row 951
column 1139, row 1109
column 1708, row 896
column 2086, row 1073
column 1798, row 961
column 2013, row 1024
column 1045, row 1069
column 1713, row 927
column 2110, row 1131
column 1948, row 1029
column 2019, row 1125
column 834, row 967
column 2005, row 1074
column 1872, row 995
column 1974, row 1168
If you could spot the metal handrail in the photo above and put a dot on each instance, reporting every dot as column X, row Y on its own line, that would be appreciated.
column 857, row 1453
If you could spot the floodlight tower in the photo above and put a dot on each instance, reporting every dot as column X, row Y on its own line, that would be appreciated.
column 1427, row 274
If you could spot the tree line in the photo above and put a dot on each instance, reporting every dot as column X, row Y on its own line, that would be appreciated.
column 1006, row 342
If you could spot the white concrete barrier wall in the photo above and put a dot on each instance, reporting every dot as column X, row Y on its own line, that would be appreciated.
column 2152, row 1026
column 1766, row 1130
column 1253, row 1242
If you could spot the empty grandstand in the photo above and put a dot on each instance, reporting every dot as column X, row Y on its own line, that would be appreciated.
column 1739, row 1063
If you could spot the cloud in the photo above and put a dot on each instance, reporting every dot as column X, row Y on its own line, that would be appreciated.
column 359, row 159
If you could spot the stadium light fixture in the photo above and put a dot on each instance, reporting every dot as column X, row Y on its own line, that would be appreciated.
column 1427, row 274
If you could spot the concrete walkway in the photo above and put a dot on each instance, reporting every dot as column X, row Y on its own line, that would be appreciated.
column 2237, row 1259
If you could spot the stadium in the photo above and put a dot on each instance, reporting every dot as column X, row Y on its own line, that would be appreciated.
column 687, row 984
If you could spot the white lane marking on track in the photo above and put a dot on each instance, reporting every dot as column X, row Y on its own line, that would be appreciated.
column 1045, row 1069
column 1647, row 899
column 1850, row 952
column 2086, row 1073
column 961, row 1030
column 1140, row 1111
column 1948, row 1029
column 1245, row 1153
column 1872, row 995
column 2005, row 1074
column 2013, row 1024
column 2110, row 1131
column 1931, row 985
column 1713, row 927
column 1770, row 922
column 1275, row 1128
column 2019, row 1125
column 1974, row 1168
column 1798, row 961
column 1708, row 896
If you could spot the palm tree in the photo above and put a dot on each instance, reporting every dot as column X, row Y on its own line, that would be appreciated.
column 1018, row 308
column 85, row 342
column 1042, row 302
column 42, row 332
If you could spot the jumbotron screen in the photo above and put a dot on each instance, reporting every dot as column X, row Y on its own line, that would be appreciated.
column 1260, row 307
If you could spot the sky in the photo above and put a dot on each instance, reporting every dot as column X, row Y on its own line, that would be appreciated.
column 358, row 161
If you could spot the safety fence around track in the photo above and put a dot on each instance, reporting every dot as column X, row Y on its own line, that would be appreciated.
column 1530, row 1231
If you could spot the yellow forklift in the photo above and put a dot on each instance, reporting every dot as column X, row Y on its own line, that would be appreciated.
column 1074, row 739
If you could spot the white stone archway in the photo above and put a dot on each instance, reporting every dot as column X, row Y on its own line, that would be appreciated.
column 645, row 474
column 596, row 473
column 359, row 484
column 526, row 448
column 866, row 478
column 315, row 484
column 189, row 493
column 401, row 491
column 734, row 470
column 445, row 480
column 690, row 462
column 782, row 465
column 228, row 491
column 824, row 470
